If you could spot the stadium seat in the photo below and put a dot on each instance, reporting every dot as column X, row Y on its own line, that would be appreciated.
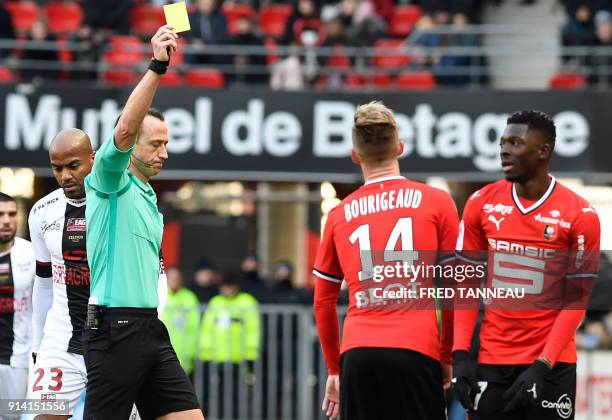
column 65, row 56
column 273, row 19
column 403, row 19
column 567, row 80
column 233, row 13
column 386, row 57
column 171, row 78
column 124, row 50
column 207, row 78
column 338, row 59
column 379, row 80
column 178, row 57
column 23, row 14
column 420, row 80
column 146, row 19
column 6, row 76
column 63, row 18
column 120, row 77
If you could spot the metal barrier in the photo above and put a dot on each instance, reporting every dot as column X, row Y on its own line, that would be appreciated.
column 286, row 381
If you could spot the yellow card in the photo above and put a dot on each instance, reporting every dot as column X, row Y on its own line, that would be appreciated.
column 176, row 15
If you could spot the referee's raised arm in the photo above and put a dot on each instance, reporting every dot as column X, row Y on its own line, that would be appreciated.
column 127, row 349
column 139, row 102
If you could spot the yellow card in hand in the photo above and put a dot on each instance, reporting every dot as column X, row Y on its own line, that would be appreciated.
column 176, row 16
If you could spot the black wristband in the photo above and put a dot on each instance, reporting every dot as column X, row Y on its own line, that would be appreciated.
column 158, row 67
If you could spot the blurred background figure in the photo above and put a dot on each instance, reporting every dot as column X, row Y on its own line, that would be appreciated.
column 230, row 335
column 283, row 287
column 252, row 282
column 181, row 316
column 7, row 30
column 208, row 27
column 205, row 283
column 248, row 68
column 40, row 33
column 108, row 15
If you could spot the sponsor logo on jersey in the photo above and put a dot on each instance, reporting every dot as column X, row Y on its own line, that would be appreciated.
column 496, row 222
column 497, row 208
column 552, row 221
column 49, row 397
column 43, row 205
column 563, row 406
column 49, row 227
column 4, row 268
column 75, row 225
column 580, row 253
column 555, row 213
column 550, row 232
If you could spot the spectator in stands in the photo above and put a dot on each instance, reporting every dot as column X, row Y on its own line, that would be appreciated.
column 287, row 73
column 230, row 333
column 7, row 30
column 39, row 34
column 252, row 282
column 602, row 62
column 111, row 15
column 249, row 68
column 579, row 31
column 92, row 42
column 306, row 15
column 335, row 61
column 205, row 282
column 181, row 315
column 208, row 28
column 363, row 26
column 454, row 70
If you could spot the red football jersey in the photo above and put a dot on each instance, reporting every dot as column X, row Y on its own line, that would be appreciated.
column 532, row 245
column 384, row 216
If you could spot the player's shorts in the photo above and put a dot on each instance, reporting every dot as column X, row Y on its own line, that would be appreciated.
column 557, row 400
column 388, row 383
column 59, row 375
column 129, row 359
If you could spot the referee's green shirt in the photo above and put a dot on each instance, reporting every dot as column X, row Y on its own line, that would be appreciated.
column 124, row 232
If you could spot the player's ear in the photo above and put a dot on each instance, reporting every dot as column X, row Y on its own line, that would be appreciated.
column 400, row 149
column 355, row 157
column 546, row 150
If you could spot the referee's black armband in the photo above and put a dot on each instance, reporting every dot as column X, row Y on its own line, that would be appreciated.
column 43, row 269
column 159, row 67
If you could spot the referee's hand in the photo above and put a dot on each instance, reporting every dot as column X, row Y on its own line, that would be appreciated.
column 331, row 401
column 163, row 42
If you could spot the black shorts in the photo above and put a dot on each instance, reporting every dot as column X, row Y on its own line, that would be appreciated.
column 556, row 403
column 130, row 360
column 387, row 383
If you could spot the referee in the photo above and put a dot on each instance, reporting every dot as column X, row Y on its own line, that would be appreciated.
column 127, row 350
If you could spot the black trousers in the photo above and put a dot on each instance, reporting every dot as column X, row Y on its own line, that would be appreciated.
column 130, row 360
column 557, row 401
column 387, row 383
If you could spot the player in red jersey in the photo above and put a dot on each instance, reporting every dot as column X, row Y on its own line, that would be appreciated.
column 541, row 238
column 391, row 361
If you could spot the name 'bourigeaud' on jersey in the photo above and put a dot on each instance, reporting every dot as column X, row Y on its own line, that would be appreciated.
column 383, row 201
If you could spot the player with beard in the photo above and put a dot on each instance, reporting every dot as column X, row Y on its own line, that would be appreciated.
column 544, row 239
column 17, row 268
column 61, row 289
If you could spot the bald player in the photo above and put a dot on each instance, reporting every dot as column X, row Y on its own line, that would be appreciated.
column 61, row 288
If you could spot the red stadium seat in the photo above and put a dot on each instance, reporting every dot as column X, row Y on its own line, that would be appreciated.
column 338, row 59
column 566, row 80
column 63, row 18
column 390, row 54
column 171, row 78
column 207, row 78
column 65, row 56
column 403, row 19
column 120, row 77
column 124, row 50
column 421, row 80
column 379, row 80
column 273, row 19
column 178, row 57
column 6, row 76
column 23, row 13
column 233, row 13
column 146, row 19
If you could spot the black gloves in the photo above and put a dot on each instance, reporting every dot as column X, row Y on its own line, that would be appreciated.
column 527, row 388
column 464, row 380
